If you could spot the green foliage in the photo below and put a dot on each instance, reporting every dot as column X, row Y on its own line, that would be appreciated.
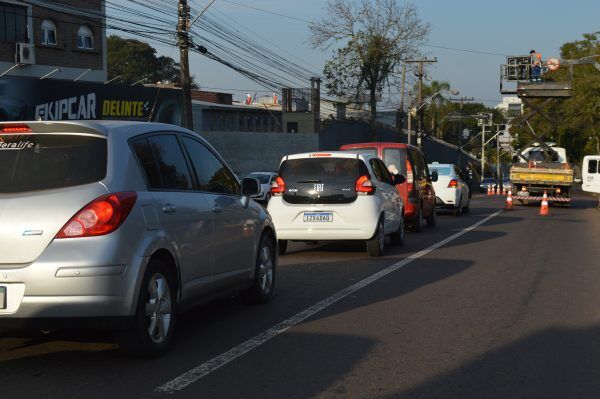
column 134, row 60
column 577, row 119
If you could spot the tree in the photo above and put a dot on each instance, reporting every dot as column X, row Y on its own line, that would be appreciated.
column 134, row 60
column 374, row 37
column 576, row 120
column 434, row 112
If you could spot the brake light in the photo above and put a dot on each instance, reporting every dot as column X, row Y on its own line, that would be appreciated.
column 15, row 128
column 453, row 184
column 364, row 185
column 410, row 180
column 278, row 186
column 320, row 155
column 100, row 217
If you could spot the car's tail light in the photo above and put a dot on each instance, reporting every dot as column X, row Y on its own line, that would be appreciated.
column 410, row 179
column 15, row 128
column 453, row 184
column 278, row 186
column 101, row 216
column 364, row 185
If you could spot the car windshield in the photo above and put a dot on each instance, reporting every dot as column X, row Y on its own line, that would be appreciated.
column 442, row 170
column 262, row 178
column 50, row 161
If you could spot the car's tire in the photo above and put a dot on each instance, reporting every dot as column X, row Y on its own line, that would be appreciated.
column 458, row 210
column 376, row 244
column 263, row 286
column 466, row 208
column 156, row 314
column 397, row 238
column 282, row 246
column 432, row 218
column 417, row 223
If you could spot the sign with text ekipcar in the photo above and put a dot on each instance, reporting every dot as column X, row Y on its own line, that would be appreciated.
column 53, row 100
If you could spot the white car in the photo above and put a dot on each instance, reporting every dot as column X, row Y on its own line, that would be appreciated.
column 337, row 196
column 451, row 189
column 265, row 179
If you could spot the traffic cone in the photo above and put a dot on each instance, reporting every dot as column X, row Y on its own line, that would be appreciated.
column 490, row 191
column 504, row 192
column 544, row 208
column 509, row 201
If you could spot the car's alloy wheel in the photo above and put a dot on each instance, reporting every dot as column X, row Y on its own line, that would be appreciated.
column 263, row 285
column 154, row 322
column 375, row 245
column 158, row 308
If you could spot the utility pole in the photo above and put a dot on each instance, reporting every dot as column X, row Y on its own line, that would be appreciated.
column 421, row 116
column 183, row 40
column 461, row 101
column 400, row 114
column 409, row 117
column 315, row 91
column 483, row 151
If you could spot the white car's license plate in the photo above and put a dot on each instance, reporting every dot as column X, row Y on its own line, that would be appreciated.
column 318, row 217
column 2, row 297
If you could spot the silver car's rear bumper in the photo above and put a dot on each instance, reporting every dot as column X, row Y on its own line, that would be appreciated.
column 63, row 283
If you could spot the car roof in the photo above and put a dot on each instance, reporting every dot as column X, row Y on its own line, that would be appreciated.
column 378, row 144
column 441, row 164
column 100, row 127
column 328, row 154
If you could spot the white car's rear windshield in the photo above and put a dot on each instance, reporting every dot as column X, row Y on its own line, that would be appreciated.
column 441, row 170
column 32, row 162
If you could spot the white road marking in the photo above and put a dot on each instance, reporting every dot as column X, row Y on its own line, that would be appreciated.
column 189, row 377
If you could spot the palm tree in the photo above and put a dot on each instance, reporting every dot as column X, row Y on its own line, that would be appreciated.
column 433, row 113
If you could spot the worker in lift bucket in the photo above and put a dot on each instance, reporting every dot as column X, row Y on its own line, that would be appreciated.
column 536, row 66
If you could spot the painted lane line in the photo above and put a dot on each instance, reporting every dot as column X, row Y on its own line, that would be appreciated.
column 189, row 377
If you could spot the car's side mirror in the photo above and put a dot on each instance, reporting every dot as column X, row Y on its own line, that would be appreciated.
column 250, row 187
column 434, row 176
column 398, row 179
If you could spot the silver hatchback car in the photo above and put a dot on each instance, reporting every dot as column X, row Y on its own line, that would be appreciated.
column 123, row 224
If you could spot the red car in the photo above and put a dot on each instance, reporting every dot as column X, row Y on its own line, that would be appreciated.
column 417, row 192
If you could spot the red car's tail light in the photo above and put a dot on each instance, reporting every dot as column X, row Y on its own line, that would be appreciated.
column 453, row 184
column 278, row 186
column 410, row 179
column 101, row 216
column 364, row 185
column 14, row 128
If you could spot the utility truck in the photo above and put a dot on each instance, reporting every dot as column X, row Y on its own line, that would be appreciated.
column 542, row 168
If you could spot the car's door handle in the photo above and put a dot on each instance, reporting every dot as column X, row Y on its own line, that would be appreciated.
column 217, row 209
column 170, row 209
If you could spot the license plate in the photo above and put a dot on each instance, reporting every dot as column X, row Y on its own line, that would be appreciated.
column 2, row 297
column 318, row 217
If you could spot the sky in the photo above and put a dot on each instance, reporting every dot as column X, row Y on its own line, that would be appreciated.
column 507, row 27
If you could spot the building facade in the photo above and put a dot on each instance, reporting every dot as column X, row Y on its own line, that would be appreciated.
column 60, row 39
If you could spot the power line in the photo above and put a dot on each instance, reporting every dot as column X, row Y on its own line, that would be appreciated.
column 267, row 11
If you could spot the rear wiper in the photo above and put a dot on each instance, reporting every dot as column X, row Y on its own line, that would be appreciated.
column 310, row 181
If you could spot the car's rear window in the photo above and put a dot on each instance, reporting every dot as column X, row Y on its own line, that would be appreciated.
column 395, row 157
column 323, row 169
column 441, row 170
column 50, row 161
column 367, row 151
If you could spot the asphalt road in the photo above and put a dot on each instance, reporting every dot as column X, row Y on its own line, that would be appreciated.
column 507, row 307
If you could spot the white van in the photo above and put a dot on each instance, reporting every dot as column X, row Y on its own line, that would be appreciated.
column 590, row 173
